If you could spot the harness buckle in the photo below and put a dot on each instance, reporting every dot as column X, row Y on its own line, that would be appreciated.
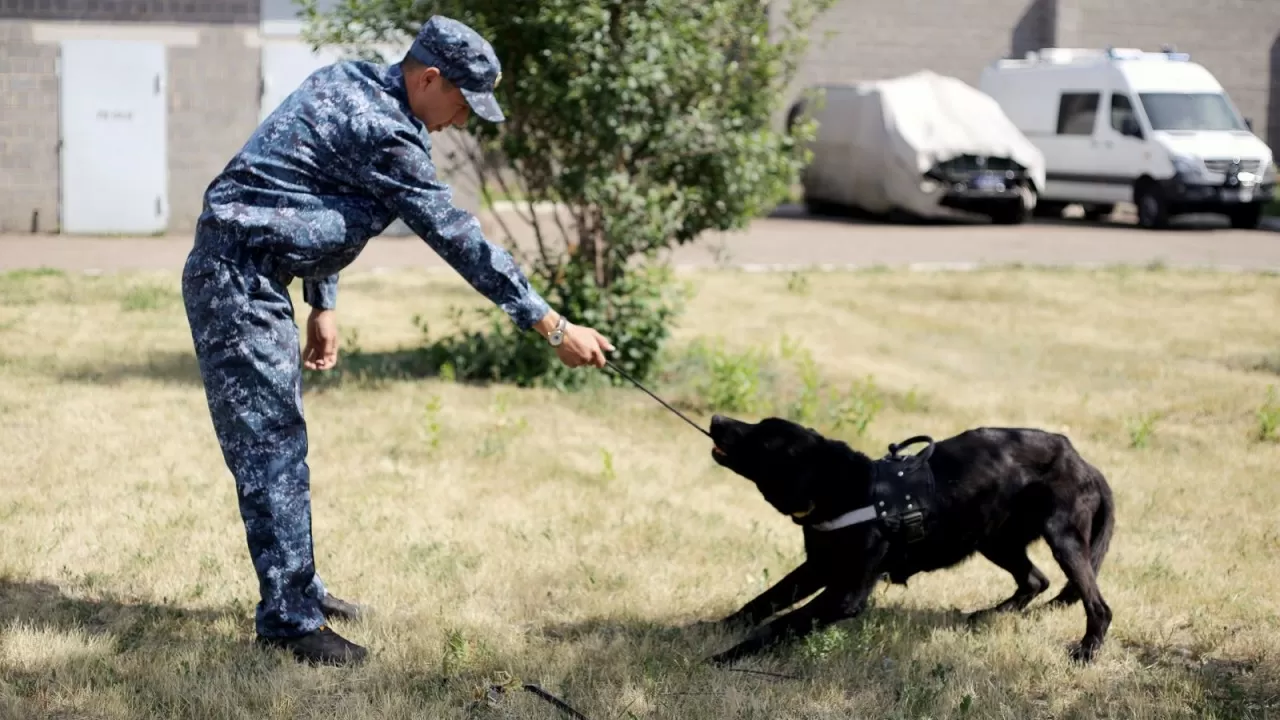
column 911, row 526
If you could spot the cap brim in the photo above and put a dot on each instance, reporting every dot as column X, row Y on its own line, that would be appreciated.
column 484, row 104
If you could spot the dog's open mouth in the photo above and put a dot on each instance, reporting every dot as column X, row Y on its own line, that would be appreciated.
column 801, row 514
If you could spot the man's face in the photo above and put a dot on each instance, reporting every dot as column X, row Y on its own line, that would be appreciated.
column 436, row 101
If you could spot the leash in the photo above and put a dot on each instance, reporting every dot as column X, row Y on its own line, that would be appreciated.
column 635, row 382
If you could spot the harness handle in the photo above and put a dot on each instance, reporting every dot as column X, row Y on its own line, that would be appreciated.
column 922, row 455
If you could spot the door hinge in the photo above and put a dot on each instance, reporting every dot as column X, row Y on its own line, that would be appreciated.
column 157, row 85
column 158, row 206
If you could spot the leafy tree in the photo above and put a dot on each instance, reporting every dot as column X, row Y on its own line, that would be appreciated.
column 648, row 122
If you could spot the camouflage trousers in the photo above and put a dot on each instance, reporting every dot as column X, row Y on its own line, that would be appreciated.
column 246, row 341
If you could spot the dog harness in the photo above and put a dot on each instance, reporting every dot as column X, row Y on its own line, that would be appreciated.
column 902, row 494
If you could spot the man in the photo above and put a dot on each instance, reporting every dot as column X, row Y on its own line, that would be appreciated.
column 333, row 166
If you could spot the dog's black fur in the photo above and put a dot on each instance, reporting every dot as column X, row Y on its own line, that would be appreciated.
column 997, row 490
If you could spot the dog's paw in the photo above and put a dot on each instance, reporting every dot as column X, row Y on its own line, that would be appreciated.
column 1084, row 653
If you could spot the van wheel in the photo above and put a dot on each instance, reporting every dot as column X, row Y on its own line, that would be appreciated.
column 1153, row 211
column 1245, row 218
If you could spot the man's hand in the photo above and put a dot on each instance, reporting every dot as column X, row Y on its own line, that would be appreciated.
column 321, row 352
column 581, row 345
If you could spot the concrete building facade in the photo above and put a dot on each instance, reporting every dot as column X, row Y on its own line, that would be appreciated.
column 215, row 74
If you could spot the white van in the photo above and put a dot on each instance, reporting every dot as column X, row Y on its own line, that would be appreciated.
column 1123, row 125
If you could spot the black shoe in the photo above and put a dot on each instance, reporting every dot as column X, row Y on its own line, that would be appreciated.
column 321, row 647
column 335, row 608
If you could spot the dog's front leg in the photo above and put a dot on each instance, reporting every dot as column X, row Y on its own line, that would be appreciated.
column 791, row 589
column 833, row 605
column 836, row 603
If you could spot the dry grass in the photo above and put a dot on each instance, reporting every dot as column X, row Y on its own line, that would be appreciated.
column 565, row 540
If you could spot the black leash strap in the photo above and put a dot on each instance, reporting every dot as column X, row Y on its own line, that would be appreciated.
column 496, row 691
column 618, row 370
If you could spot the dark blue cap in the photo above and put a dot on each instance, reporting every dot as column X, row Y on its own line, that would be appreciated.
column 465, row 59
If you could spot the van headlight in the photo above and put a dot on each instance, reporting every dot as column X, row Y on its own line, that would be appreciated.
column 1187, row 166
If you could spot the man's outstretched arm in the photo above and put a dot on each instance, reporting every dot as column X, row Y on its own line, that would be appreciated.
column 397, row 167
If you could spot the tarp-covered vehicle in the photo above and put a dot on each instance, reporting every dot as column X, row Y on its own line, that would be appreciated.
column 925, row 144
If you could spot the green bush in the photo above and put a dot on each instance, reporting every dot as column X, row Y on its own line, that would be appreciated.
column 635, row 312
column 649, row 122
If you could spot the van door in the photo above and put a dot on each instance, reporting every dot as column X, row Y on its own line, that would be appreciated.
column 1072, row 153
column 1122, row 150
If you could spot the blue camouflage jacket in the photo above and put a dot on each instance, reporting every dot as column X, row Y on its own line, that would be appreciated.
column 332, row 167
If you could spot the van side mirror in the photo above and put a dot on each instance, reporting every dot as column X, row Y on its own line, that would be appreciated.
column 1129, row 126
column 1248, row 122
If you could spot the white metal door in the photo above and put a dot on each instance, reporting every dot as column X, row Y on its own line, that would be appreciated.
column 114, row 154
column 285, row 64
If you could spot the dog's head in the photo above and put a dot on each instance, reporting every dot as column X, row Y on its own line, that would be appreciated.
column 786, row 461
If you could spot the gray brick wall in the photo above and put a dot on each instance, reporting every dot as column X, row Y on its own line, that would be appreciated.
column 875, row 39
column 28, row 131
column 154, row 11
column 1237, row 40
column 213, row 108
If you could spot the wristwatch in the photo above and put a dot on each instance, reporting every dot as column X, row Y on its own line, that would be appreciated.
column 556, row 336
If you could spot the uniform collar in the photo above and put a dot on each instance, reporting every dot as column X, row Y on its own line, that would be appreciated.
column 394, row 80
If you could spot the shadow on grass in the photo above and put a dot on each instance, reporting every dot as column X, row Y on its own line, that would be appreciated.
column 1236, row 688
column 133, row 623
column 155, row 653
column 180, row 368
column 163, row 660
column 166, row 368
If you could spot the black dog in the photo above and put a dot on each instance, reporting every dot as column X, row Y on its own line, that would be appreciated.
column 989, row 490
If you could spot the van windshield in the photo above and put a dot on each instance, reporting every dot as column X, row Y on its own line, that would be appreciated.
column 1190, row 111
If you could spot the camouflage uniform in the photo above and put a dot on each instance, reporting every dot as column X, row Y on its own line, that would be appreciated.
column 333, row 166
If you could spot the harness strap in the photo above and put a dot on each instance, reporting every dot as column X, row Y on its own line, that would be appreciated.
column 853, row 517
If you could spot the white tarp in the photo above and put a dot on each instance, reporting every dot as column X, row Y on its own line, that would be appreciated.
column 877, row 139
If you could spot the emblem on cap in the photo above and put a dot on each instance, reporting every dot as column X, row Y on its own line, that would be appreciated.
column 497, row 79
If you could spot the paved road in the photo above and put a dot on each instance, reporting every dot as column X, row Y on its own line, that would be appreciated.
column 789, row 238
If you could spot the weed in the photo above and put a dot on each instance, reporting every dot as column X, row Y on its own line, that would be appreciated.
column 1269, row 417
column 732, row 381
column 805, row 408
column 1141, row 430
column 433, row 422
column 859, row 406
column 821, row 645
column 608, row 473
column 798, row 283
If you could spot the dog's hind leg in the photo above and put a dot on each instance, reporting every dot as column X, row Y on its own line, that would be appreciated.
column 1011, row 555
column 1068, row 539
column 1102, row 527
